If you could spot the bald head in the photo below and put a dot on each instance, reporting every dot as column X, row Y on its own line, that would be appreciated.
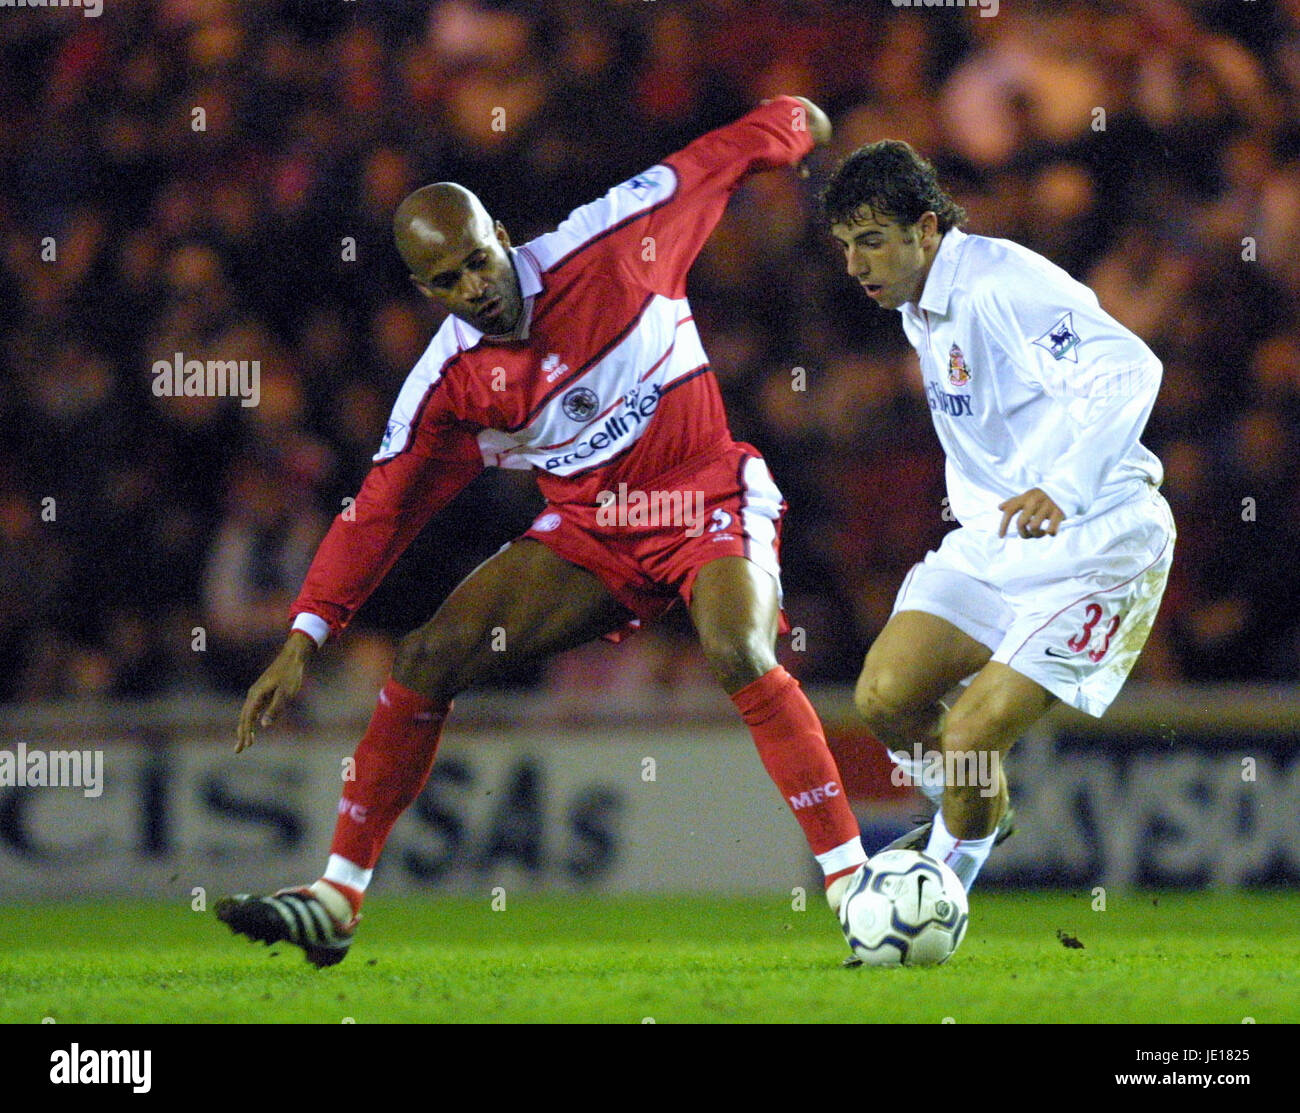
column 433, row 217
column 458, row 256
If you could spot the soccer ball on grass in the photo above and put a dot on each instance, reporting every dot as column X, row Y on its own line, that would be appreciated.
column 904, row 908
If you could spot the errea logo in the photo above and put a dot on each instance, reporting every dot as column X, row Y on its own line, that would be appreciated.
column 553, row 368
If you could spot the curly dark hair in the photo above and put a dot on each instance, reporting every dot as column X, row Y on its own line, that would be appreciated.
column 891, row 179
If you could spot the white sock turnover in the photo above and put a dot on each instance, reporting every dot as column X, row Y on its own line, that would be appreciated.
column 964, row 856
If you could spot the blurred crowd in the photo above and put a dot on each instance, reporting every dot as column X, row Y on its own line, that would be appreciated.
column 217, row 178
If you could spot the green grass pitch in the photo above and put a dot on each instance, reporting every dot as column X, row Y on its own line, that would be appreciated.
column 1148, row 957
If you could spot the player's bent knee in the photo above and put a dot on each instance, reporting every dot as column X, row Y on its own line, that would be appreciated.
column 883, row 700
column 425, row 663
column 737, row 663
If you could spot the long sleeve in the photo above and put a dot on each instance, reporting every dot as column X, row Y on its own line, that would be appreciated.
column 398, row 497
column 650, row 228
column 1103, row 377
column 708, row 171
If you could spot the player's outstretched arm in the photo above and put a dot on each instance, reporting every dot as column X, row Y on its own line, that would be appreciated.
column 819, row 124
column 396, row 501
column 682, row 198
column 275, row 687
column 816, row 123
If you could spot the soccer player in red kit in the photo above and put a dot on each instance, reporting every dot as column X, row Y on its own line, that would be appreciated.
column 575, row 355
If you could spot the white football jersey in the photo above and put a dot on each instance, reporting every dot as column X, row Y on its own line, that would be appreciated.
column 1030, row 383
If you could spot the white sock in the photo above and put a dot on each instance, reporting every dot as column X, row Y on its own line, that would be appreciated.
column 347, row 873
column 341, row 872
column 925, row 776
column 965, row 856
column 846, row 856
column 844, row 860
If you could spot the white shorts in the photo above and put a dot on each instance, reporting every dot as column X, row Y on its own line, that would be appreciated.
column 1071, row 612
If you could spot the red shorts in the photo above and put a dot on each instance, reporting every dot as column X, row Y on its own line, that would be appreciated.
column 648, row 545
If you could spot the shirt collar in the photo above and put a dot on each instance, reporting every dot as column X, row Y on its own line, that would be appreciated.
column 943, row 272
column 530, row 275
column 530, row 285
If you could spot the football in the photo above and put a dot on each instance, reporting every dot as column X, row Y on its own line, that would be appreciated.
column 904, row 908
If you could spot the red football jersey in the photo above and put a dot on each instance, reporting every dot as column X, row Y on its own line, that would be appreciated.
column 607, row 382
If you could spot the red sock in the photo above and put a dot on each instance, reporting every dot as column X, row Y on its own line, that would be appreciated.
column 792, row 746
column 393, row 761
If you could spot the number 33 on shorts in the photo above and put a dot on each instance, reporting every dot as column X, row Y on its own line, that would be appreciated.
column 1088, row 647
column 1088, row 639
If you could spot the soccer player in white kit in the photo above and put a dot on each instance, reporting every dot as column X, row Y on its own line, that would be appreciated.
column 1049, row 587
